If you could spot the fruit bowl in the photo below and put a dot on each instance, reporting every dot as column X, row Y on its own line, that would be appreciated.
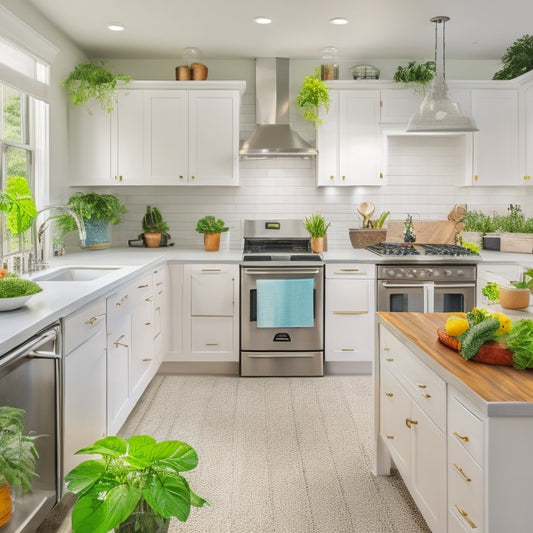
column 9, row 304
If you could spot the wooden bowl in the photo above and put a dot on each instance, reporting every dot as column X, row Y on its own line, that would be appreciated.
column 512, row 298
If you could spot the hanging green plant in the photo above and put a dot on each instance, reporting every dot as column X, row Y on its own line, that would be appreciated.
column 93, row 80
column 517, row 60
column 313, row 96
column 415, row 76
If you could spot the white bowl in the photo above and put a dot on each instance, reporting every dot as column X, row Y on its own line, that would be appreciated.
column 8, row 304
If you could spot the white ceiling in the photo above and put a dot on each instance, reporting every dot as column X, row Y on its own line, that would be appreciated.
column 377, row 29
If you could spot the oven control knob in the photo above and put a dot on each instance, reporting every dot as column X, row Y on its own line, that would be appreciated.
column 424, row 273
column 447, row 272
column 460, row 273
column 391, row 273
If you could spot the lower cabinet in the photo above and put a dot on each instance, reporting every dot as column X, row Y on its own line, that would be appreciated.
column 412, row 403
column 84, row 381
column 349, row 311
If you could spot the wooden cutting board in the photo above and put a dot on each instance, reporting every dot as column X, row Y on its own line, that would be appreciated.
column 430, row 232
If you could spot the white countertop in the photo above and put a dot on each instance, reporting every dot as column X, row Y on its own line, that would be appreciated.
column 59, row 299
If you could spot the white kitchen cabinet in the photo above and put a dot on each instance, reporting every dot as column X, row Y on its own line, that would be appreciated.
column 119, row 346
column 210, row 316
column 349, row 140
column 84, row 367
column 350, row 305
column 526, row 141
column 412, row 404
column 496, row 144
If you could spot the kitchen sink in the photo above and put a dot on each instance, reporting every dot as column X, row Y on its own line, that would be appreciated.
column 75, row 273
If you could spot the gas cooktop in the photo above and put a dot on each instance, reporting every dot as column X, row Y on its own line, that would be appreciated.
column 400, row 249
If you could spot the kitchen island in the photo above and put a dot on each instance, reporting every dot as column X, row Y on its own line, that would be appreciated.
column 459, row 432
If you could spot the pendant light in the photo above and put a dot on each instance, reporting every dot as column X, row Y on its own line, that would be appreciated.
column 437, row 113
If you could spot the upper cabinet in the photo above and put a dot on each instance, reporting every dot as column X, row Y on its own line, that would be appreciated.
column 160, row 133
column 349, row 140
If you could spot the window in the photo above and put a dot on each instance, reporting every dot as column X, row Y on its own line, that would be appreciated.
column 16, row 153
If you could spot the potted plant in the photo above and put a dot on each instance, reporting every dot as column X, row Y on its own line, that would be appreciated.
column 514, row 295
column 98, row 212
column 313, row 96
column 135, row 486
column 517, row 60
column 16, row 201
column 476, row 225
column 93, row 80
column 415, row 76
column 154, row 227
column 317, row 227
column 211, row 228
column 372, row 231
column 18, row 457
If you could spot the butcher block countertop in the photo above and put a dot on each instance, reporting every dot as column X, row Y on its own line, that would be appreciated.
column 497, row 390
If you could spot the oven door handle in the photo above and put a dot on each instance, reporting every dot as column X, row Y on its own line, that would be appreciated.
column 389, row 285
column 429, row 297
column 281, row 270
column 455, row 286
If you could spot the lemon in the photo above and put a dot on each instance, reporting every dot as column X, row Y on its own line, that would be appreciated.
column 456, row 325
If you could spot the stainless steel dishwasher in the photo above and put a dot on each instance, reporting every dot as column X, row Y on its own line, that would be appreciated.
column 29, row 380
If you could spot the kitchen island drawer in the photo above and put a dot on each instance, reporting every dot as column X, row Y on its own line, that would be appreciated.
column 83, row 324
column 351, row 270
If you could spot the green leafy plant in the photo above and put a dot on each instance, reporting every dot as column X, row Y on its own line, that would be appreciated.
column 153, row 222
column 470, row 246
column 16, row 201
column 378, row 222
column 18, row 454
column 316, row 225
column 520, row 342
column 11, row 286
column 517, row 59
column 132, row 475
column 491, row 291
column 478, row 221
column 313, row 96
column 415, row 76
column 209, row 224
column 93, row 80
column 525, row 284
column 91, row 206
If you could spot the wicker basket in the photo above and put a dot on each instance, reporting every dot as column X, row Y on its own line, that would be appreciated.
column 199, row 71
column 183, row 73
column 364, row 237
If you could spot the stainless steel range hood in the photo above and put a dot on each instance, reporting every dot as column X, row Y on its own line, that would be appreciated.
column 273, row 136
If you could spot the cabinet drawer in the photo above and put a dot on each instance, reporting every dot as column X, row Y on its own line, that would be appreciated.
column 428, row 390
column 393, row 354
column 83, row 324
column 212, row 290
column 465, row 428
column 347, row 337
column 212, row 334
column 351, row 270
column 347, row 296
column 465, row 483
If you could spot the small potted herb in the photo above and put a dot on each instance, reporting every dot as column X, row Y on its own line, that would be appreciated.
column 98, row 212
column 316, row 226
column 154, row 227
column 211, row 228
column 93, row 80
column 313, row 96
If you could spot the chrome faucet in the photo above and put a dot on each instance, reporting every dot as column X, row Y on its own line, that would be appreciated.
column 37, row 262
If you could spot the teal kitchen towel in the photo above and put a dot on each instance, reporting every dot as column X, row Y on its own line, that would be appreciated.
column 285, row 303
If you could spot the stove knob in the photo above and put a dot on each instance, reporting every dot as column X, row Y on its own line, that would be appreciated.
column 447, row 272
column 460, row 273
column 409, row 275
column 434, row 273
column 391, row 273
column 424, row 273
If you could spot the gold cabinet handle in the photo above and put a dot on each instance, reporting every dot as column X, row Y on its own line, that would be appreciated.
column 422, row 386
column 425, row 395
column 462, row 438
column 464, row 514
column 390, row 437
column 145, row 360
column 149, row 299
column 159, row 283
column 347, row 349
column 211, row 343
column 349, row 271
column 211, row 270
column 331, row 177
column 390, row 359
column 527, row 177
column 343, row 178
column 142, row 286
column 389, row 394
column 147, row 323
column 461, row 471
column 192, row 177
column 117, row 343
column 410, row 422
column 475, row 177
column 121, row 301
column 385, row 349
column 381, row 175
column 181, row 177
column 93, row 320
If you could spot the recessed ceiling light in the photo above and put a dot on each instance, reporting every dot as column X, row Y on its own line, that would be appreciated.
column 116, row 27
column 262, row 20
column 338, row 20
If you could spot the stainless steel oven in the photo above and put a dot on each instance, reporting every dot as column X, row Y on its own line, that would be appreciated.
column 282, row 301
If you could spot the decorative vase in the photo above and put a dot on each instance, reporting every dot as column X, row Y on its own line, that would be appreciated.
column 6, row 505
column 513, row 298
column 317, row 244
column 152, row 240
column 97, row 234
column 211, row 242
column 144, row 519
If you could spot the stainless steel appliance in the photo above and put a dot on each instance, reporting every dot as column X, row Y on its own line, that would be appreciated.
column 425, row 278
column 29, row 380
column 282, row 301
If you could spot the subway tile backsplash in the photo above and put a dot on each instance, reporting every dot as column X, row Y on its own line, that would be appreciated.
column 423, row 177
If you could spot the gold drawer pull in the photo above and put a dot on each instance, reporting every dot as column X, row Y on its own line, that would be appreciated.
column 159, row 283
column 93, row 320
column 142, row 286
column 390, row 437
column 121, row 301
column 146, row 359
column 348, row 271
column 147, row 323
column 461, row 471
column 463, row 438
column 410, row 422
column 426, row 396
column 347, row 349
column 389, row 394
column 211, row 270
column 390, row 359
column 385, row 349
column 149, row 299
column 211, row 344
column 464, row 514
column 117, row 343
column 422, row 386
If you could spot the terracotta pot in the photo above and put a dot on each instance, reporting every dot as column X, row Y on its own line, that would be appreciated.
column 317, row 244
column 6, row 505
column 211, row 242
column 152, row 240
column 514, row 298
